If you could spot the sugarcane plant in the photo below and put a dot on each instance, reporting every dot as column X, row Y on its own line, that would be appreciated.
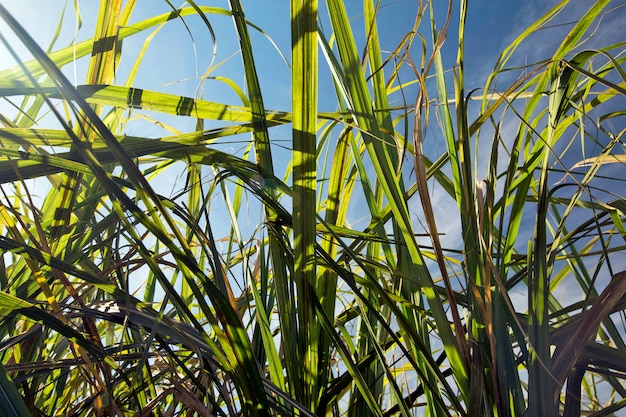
column 426, row 247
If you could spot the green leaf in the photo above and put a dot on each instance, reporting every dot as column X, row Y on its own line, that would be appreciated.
column 11, row 402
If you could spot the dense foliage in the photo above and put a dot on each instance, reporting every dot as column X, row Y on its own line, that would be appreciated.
column 426, row 247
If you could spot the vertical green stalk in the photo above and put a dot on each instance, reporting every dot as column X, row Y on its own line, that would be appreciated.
column 304, row 104
column 101, row 70
column 261, row 136
column 263, row 153
column 543, row 390
column 479, row 299
column 360, row 103
column 340, row 186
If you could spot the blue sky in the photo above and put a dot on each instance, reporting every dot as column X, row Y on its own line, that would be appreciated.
column 177, row 57
column 182, row 52
column 174, row 61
